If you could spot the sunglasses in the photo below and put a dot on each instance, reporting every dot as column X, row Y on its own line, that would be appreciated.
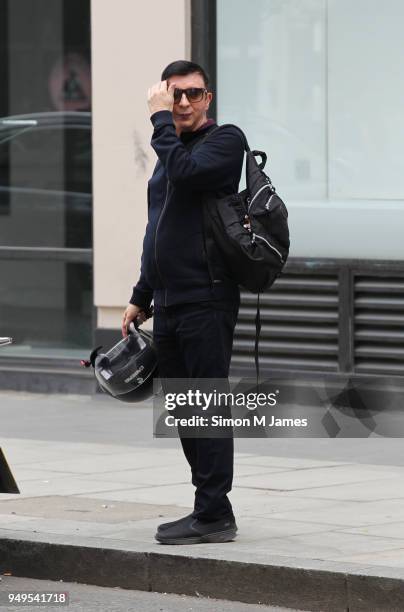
column 194, row 94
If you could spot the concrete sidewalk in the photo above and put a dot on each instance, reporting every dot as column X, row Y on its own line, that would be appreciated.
column 313, row 534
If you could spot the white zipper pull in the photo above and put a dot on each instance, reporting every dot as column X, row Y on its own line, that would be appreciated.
column 268, row 202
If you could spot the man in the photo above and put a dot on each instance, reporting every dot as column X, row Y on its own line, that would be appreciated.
column 195, row 312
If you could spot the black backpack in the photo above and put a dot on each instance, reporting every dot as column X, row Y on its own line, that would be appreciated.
column 248, row 231
column 249, row 228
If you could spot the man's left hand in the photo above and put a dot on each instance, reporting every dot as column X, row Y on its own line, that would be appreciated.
column 161, row 97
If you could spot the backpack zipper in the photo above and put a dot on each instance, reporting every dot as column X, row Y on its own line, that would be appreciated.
column 256, row 195
column 269, row 184
column 254, row 236
column 269, row 200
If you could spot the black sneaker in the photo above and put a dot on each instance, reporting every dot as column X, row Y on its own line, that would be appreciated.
column 192, row 531
column 164, row 526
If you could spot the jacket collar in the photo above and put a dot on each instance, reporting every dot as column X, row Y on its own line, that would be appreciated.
column 186, row 137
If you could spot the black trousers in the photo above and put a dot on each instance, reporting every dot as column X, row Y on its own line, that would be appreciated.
column 195, row 341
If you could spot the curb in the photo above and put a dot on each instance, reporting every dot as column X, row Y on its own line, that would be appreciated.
column 299, row 585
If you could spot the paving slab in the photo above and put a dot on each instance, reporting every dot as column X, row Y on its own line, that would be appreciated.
column 352, row 513
column 65, row 486
column 314, row 478
column 390, row 558
column 160, row 475
column 88, row 464
column 385, row 530
column 83, row 509
column 371, row 490
column 285, row 462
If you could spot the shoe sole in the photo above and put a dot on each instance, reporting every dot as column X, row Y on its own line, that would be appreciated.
column 209, row 538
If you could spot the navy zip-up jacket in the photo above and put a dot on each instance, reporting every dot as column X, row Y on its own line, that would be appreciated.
column 174, row 268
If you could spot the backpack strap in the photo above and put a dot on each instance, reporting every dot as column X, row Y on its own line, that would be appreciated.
column 218, row 127
column 244, row 137
column 210, row 238
column 257, row 339
column 262, row 154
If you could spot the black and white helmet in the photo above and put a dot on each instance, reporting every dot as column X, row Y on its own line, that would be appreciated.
column 127, row 370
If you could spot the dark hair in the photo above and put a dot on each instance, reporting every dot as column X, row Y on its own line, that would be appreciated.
column 183, row 67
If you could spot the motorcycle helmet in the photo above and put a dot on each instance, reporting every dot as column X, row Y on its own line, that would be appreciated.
column 127, row 370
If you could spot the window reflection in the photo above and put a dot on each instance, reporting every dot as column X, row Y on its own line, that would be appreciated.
column 45, row 170
column 46, row 303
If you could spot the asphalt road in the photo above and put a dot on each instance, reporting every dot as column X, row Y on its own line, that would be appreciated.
column 86, row 598
column 100, row 419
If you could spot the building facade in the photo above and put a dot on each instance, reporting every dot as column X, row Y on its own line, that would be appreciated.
column 315, row 83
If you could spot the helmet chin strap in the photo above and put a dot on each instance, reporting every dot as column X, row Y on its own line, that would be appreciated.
column 87, row 363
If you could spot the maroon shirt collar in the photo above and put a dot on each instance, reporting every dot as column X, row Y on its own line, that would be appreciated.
column 187, row 136
column 206, row 124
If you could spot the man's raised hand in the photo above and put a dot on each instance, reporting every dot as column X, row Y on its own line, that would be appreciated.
column 160, row 97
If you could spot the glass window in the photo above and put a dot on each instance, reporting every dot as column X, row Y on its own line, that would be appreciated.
column 45, row 304
column 318, row 85
column 271, row 81
column 56, row 157
column 365, row 93
column 45, row 171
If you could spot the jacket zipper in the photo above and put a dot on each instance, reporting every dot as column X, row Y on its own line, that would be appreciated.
column 254, row 236
column 155, row 242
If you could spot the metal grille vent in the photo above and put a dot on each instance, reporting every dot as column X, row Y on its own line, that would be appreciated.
column 299, row 318
column 379, row 324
